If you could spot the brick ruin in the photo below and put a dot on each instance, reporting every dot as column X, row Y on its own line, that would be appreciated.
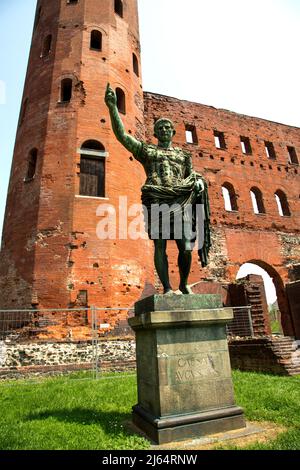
column 51, row 256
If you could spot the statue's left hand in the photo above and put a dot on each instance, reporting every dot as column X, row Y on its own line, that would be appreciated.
column 199, row 186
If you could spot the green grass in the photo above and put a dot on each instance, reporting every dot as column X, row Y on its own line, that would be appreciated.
column 270, row 398
column 67, row 414
column 275, row 327
column 63, row 413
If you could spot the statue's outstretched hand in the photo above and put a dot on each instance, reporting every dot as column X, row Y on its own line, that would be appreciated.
column 110, row 97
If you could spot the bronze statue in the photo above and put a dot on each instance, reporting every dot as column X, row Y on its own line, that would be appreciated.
column 171, row 182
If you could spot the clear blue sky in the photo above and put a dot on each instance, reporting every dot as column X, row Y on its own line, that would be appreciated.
column 16, row 21
column 241, row 55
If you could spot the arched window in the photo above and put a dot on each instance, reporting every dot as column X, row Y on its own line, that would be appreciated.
column 135, row 65
column 257, row 201
column 32, row 161
column 230, row 199
column 23, row 111
column 93, row 145
column 119, row 8
column 96, row 40
column 121, row 100
column 47, row 45
column 92, row 169
column 66, row 90
column 282, row 203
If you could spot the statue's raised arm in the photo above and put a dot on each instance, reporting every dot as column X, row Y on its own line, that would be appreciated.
column 171, row 182
column 129, row 142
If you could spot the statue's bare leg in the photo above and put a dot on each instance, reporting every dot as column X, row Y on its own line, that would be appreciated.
column 184, row 264
column 161, row 264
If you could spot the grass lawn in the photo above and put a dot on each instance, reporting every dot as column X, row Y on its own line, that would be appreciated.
column 63, row 413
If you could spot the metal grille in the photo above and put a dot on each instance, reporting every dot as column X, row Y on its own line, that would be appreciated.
column 78, row 339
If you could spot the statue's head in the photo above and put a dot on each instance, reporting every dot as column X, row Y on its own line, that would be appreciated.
column 164, row 129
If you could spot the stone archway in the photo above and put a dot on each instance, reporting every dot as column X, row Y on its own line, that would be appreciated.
column 286, row 319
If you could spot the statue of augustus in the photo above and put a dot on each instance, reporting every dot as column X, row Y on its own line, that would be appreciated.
column 171, row 183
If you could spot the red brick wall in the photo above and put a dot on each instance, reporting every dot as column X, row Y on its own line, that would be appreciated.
column 50, row 249
column 50, row 246
column 269, row 240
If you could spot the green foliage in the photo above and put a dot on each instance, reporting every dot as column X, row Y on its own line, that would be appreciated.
column 275, row 327
column 63, row 413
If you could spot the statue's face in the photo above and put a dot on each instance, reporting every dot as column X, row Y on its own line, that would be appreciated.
column 164, row 131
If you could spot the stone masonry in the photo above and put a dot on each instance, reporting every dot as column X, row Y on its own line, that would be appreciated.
column 51, row 256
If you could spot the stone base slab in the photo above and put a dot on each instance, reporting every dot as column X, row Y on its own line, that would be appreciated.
column 179, row 428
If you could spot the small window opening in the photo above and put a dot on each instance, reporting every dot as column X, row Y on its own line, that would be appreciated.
column 82, row 298
column 220, row 140
column 47, row 45
column 293, row 157
column 270, row 151
column 121, row 100
column 119, row 8
column 96, row 40
column 135, row 65
column 191, row 134
column 257, row 201
column 246, row 145
column 282, row 204
column 32, row 161
column 72, row 1
column 230, row 199
column 66, row 90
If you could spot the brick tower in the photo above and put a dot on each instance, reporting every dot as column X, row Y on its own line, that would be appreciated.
column 67, row 161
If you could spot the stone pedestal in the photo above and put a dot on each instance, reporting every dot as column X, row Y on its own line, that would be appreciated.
column 183, row 368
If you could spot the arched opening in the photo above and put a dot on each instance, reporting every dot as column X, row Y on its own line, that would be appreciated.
column 282, row 204
column 278, row 312
column 121, row 100
column 135, row 63
column 32, row 161
column 66, row 90
column 119, row 8
column 47, row 45
column 257, row 201
column 230, row 199
column 96, row 40
column 92, row 169
column 93, row 145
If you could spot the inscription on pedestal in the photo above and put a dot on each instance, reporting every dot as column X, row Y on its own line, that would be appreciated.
column 192, row 368
column 176, row 370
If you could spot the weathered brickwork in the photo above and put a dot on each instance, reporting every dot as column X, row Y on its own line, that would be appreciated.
column 51, row 256
column 239, row 236
column 275, row 355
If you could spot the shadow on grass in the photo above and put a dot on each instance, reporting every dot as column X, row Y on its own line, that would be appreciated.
column 109, row 421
